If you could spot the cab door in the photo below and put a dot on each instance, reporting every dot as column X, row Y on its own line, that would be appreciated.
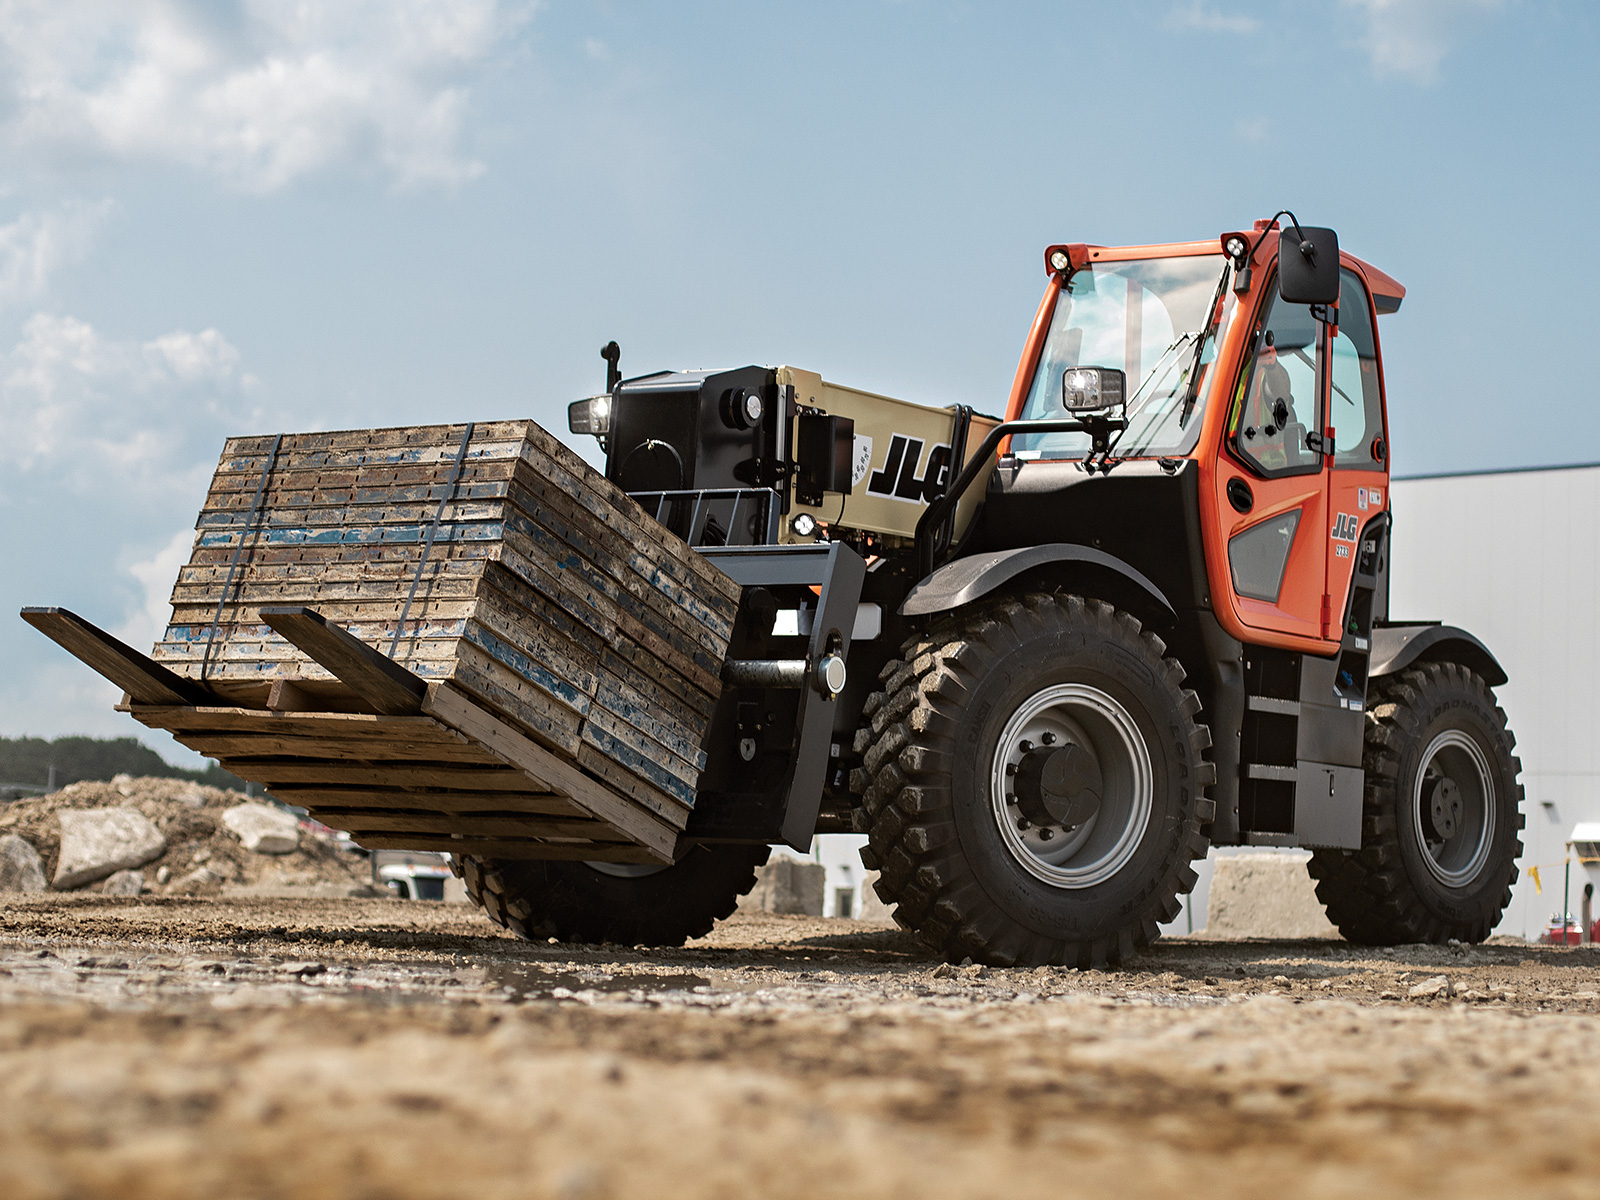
column 1358, row 481
column 1272, row 485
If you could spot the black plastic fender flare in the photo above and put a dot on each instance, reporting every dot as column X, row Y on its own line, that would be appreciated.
column 971, row 578
column 1395, row 647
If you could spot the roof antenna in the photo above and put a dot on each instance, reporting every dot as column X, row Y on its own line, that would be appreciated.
column 612, row 353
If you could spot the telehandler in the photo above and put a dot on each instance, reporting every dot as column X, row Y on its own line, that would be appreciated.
column 1044, row 662
column 1145, row 614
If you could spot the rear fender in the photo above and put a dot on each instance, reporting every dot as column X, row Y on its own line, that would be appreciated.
column 1396, row 647
column 967, row 579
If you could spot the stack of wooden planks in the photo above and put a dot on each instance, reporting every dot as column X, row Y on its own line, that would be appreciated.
column 489, row 557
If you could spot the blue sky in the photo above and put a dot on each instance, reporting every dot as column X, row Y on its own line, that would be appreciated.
column 249, row 217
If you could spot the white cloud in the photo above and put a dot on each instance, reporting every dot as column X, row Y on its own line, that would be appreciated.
column 1408, row 39
column 258, row 92
column 1198, row 16
column 37, row 245
column 144, row 625
column 93, row 411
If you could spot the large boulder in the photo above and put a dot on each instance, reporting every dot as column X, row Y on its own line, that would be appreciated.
column 264, row 829
column 21, row 869
column 96, row 842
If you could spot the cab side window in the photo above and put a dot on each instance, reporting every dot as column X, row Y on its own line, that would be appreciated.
column 1276, row 404
column 1355, row 405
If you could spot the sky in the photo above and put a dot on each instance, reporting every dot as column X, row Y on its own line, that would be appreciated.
column 253, row 216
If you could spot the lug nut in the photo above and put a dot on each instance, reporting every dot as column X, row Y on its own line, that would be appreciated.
column 1049, row 739
column 1011, row 768
column 1024, row 745
column 1022, row 823
column 1045, row 835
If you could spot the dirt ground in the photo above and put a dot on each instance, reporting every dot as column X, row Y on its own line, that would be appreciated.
column 167, row 1046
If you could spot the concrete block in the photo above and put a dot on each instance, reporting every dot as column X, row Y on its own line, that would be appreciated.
column 786, row 885
column 1266, row 896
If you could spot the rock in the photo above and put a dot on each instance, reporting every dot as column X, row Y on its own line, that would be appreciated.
column 97, row 842
column 199, row 877
column 123, row 784
column 164, row 875
column 21, row 869
column 264, row 829
column 1265, row 895
column 786, row 885
column 123, row 883
column 1439, row 985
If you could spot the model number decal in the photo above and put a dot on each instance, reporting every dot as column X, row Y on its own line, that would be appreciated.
column 1344, row 528
column 899, row 479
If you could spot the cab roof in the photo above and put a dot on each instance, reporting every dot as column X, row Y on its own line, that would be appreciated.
column 1387, row 291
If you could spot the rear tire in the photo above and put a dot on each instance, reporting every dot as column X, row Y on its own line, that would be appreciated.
column 983, row 858
column 597, row 903
column 1441, row 815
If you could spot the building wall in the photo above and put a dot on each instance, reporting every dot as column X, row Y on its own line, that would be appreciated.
column 1514, row 558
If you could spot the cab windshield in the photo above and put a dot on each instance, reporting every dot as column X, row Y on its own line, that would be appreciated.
column 1154, row 320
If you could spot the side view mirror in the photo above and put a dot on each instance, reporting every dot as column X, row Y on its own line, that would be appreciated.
column 1308, row 265
column 1093, row 389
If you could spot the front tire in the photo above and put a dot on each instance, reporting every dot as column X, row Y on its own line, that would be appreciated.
column 1441, row 815
column 1033, row 784
column 602, row 902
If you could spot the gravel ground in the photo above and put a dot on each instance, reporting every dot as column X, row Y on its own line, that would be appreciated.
column 179, row 1047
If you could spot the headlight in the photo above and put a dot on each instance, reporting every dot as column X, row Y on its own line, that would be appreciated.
column 1092, row 389
column 591, row 416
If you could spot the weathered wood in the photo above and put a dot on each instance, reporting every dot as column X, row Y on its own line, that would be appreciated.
column 532, row 589
column 363, row 821
column 146, row 681
column 331, row 799
column 388, row 687
column 453, row 708
column 569, row 851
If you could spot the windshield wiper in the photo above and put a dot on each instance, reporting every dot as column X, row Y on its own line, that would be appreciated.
column 1193, row 392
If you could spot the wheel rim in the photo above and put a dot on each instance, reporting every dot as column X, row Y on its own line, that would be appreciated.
column 1452, row 808
column 1104, row 752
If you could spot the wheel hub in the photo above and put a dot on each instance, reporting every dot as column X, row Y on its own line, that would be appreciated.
column 1443, row 799
column 1058, row 785
column 1072, row 785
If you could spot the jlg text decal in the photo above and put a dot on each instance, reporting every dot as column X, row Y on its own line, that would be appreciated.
column 1344, row 528
column 898, row 478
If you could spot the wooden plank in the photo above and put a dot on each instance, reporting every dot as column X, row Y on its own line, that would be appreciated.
column 493, row 779
column 387, row 686
column 143, row 679
column 362, row 821
column 651, row 800
column 227, row 746
column 434, row 802
column 324, row 725
column 623, row 852
column 455, row 709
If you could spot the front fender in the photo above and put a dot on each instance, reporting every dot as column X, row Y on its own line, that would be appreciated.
column 968, row 579
column 1396, row 647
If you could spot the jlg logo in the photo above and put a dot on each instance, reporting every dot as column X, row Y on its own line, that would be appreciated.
column 1344, row 528
column 898, row 478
